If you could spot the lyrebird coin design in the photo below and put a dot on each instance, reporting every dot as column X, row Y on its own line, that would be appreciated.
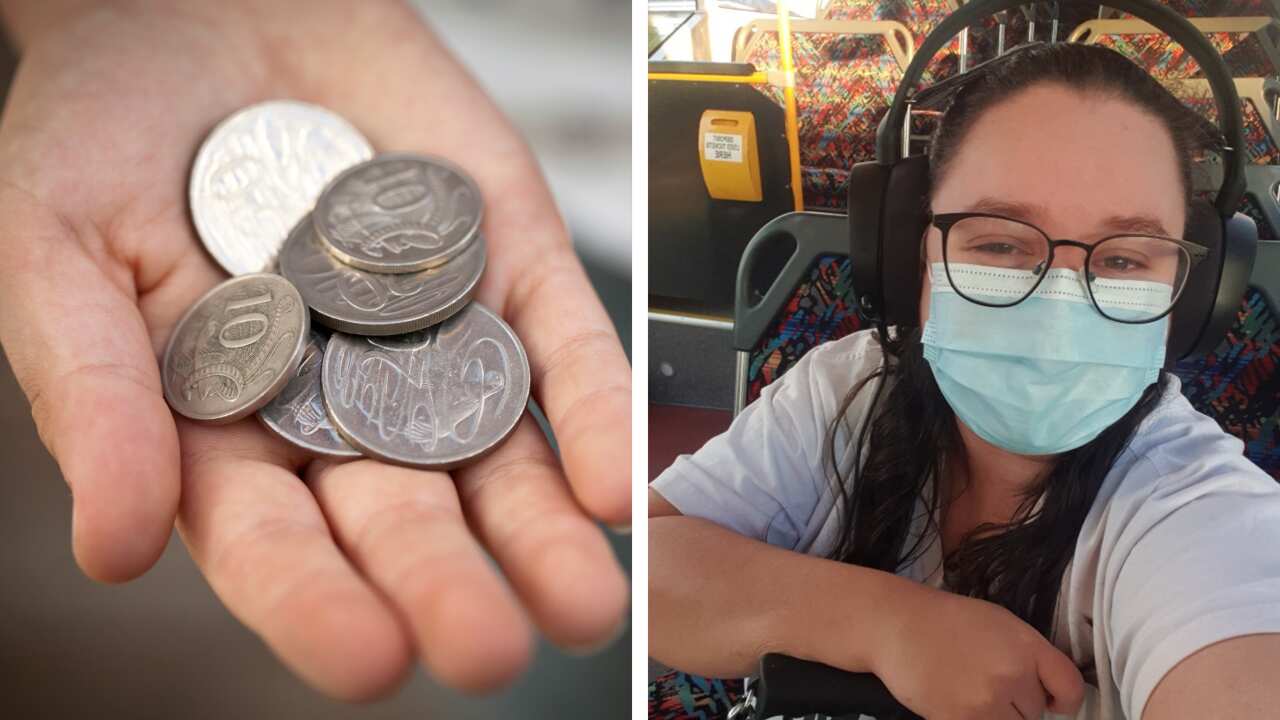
column 234, row 350
column 437, row 398
column 297, row 414
column 365, row 303
column 398, row 213
column 259, row 171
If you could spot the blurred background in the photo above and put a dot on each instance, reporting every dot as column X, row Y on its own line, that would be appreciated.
column 163, row 646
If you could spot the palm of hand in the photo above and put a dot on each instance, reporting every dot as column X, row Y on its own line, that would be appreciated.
column 346, row 570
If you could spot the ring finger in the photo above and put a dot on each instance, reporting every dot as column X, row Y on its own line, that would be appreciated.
column 404, row 530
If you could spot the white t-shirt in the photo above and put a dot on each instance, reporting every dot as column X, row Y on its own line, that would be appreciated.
column 1180, row 550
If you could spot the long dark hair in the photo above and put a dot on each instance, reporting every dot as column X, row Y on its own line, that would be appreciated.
column 910, row 429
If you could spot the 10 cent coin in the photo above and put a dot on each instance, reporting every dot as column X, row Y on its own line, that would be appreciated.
column 366, row 303
column 235, row 348
column 398, row 213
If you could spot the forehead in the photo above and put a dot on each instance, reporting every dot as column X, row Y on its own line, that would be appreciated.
column 1083, row 157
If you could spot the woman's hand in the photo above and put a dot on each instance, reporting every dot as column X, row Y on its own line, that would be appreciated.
column 949, row 657
column 346, row 570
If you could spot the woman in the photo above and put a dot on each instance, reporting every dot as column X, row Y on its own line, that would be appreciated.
column 1012, row 510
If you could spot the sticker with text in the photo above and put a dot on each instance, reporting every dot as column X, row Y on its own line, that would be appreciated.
column 726, row 148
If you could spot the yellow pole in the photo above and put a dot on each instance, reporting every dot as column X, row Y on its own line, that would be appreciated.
column 789, row 96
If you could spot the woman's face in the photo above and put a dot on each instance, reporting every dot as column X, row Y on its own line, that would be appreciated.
column 1077, row 165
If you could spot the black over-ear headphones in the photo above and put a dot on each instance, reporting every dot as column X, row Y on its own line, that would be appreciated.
column 888, row 197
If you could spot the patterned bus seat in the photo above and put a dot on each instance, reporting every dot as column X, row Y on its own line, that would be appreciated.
column 1222, row 8
column 843, row 85
column 1238, row 383
column 1248, row 45
column 821, row 308
column 1258, row 140
column 680, row 696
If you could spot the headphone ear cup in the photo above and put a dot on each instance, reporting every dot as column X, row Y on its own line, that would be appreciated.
column 1211, row 298
column 1218, row 284
column 905, row 219
column 888, row 207
column 867, row 183
column 1191, row 311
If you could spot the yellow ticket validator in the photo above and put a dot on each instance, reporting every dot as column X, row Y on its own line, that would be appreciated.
column 727, row 153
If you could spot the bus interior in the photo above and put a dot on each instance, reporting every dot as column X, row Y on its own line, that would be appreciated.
column 748, row 192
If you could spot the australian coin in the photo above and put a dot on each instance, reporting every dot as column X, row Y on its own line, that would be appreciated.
column 438, row 398
column 259, row 171
column 398, row 213
column 235, row 348
column 297, row 414
column 365, row 303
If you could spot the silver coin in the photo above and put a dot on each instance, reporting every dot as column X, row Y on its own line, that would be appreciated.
column 399, row 213
column 259, row 171
column 365, row 303
column 297, row 414
column 436, row 399
column 235, row 348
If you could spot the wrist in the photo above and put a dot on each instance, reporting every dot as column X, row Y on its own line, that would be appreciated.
column 899, row 619
column 850, row 618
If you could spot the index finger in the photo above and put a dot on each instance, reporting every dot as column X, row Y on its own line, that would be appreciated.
column 81, row 352
column 581, row 379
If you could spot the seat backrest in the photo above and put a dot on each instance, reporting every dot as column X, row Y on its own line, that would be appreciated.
column 1259, row 139
column 1238, row 384
column 1222, row 8
column 677, row 695
column 982, row 40
column 782, row 312
column 1248, row 45
column 819, row 309
column 1257, row 100
column 846, row 73
column 920, row 17
column 1260, row 201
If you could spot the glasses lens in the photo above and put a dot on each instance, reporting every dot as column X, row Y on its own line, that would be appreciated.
column 1136, row 279
column 995, row 261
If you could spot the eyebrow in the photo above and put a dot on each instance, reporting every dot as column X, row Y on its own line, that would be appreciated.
column 1033, row 212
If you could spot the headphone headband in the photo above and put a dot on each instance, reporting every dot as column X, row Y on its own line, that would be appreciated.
column 1230, row 122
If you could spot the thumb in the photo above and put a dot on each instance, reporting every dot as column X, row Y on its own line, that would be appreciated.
column 1061, row 680
column 81, row 353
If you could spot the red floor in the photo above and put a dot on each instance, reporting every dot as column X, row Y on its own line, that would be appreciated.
column 674, row 430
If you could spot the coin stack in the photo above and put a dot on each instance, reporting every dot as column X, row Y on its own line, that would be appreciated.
column 384, row 253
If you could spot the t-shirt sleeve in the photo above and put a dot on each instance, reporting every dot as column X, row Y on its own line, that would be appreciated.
column 764, row 477
column 1195, row 560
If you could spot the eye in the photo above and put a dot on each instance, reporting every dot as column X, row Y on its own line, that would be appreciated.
column 998, row 244
column 1121, row 264
column 998, row 248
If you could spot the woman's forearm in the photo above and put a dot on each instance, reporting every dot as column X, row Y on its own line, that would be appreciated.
column 717, row 601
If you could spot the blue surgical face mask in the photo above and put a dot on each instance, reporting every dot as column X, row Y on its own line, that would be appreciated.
column 1046, row 375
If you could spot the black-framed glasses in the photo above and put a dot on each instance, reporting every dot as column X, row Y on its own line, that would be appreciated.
column 999, row 261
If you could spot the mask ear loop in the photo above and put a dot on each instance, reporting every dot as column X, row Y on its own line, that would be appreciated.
column 924, row 252
column 927, row 267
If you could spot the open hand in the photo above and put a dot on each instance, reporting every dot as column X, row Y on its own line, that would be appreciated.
column 347, row 570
